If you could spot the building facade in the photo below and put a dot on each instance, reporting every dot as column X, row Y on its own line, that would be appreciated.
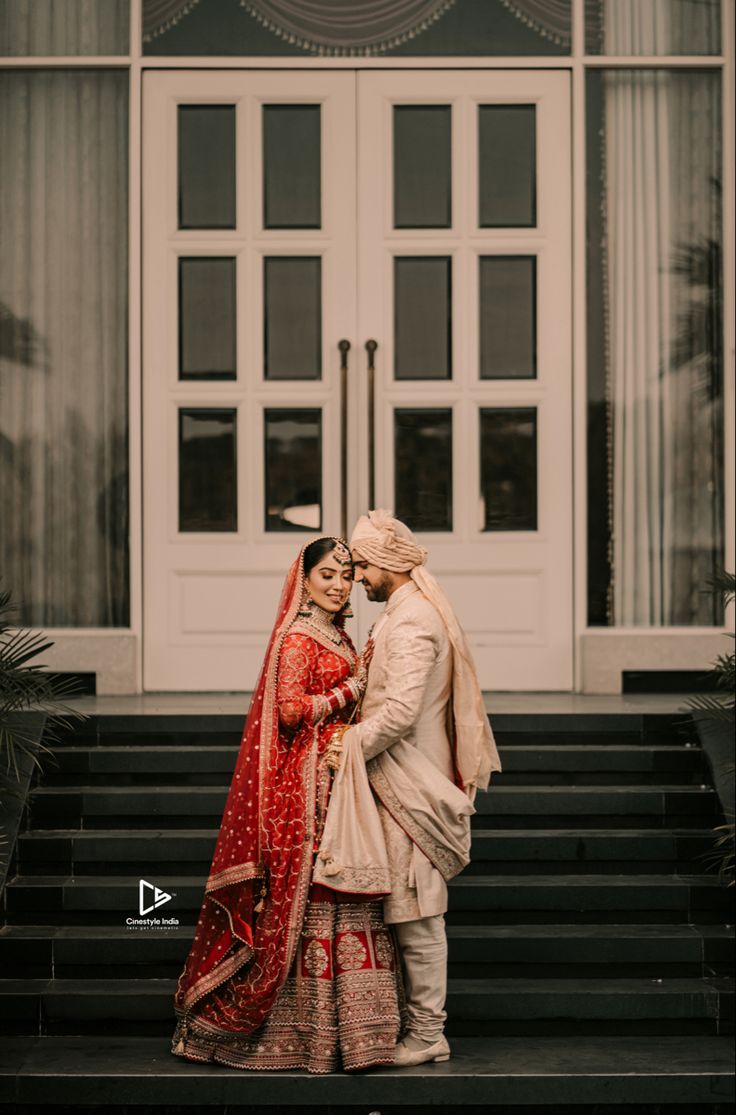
column 265, row 265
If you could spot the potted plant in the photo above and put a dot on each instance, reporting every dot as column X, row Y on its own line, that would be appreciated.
column 33, row 714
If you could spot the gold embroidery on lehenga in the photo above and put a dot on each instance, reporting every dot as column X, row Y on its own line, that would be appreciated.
column 384, row 950
column 351, row 952
column 316, row 958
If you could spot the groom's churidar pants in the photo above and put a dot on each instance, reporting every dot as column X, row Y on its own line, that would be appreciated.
column 415, row 908
column 423, row 949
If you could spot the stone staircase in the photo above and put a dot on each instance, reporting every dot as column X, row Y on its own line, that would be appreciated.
column 591, row 951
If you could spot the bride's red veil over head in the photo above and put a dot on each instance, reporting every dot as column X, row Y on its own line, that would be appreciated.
column 264, row 850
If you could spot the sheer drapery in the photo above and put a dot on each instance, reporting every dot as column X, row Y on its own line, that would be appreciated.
column 63, row 345
column 642, row 27
column 64, row 27
column 662, row 157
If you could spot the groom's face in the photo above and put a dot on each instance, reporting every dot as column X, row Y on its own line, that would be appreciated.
column 377, row 582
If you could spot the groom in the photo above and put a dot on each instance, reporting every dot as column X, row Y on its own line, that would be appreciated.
column 428, row 746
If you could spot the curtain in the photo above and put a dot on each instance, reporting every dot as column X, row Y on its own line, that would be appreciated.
column 63, row 356
column 643, row 27
column 324, row 26
column 64, row 27
column 549, row 18
column 662, row 158
column 359, row 26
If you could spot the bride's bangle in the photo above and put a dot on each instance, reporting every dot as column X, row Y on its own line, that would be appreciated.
column 333, row 753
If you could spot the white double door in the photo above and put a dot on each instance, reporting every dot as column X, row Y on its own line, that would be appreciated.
column 356, row 292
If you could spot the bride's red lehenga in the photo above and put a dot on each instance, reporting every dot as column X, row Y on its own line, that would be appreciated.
column 284, row 973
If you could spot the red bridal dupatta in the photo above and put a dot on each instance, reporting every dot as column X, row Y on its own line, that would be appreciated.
column 256, row 893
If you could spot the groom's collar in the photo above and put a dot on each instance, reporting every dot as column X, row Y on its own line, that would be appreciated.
column 399, row 595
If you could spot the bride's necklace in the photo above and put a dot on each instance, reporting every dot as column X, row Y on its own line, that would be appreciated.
column 313, row 616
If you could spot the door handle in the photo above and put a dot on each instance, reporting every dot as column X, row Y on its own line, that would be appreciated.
column 370, row 348
column 344, row 347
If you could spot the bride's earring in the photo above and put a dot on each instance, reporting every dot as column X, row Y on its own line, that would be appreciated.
column 306, row 605
column 346, row 612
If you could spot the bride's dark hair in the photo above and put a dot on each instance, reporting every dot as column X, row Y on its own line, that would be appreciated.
column 315, row 551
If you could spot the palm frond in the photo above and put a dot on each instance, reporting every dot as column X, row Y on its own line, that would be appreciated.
column 25, row 686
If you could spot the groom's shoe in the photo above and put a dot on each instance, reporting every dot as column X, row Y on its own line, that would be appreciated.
column 414, row 1051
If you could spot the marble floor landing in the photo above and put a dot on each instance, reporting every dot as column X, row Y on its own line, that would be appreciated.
column 197, row 704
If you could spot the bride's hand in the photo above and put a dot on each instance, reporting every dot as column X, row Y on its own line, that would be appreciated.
column 364, row 661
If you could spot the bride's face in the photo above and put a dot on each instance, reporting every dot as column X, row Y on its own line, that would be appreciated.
column 330, row 582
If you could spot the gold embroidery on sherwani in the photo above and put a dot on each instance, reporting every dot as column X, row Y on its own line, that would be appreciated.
column 438, row 854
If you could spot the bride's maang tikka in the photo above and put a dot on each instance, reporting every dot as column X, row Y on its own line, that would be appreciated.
column 341, row 553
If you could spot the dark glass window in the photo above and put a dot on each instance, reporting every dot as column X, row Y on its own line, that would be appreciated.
column 207, row 345
column 291, row 166
column 208, row 492
column 508, row 468
column 423, row 467
column 508, row 317
column 206, row 166
column 423, row 317
column 507, row 166
column 422, row 166
column 292, row 295
column 293, row 445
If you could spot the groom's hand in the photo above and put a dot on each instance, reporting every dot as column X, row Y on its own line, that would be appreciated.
column 367, row 656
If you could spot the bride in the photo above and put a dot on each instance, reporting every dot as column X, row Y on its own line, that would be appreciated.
column 285, row 972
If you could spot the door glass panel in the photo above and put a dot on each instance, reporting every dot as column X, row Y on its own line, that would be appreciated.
column 291, row 166
column 207, row 318
column 508, row 319
column 507, row 187
column 422, row 166
column 423, row 467
column 206, row 166
column 508, row 468
column 422, row 317
column 208, row 496
column 293, row 444
column 292, row 298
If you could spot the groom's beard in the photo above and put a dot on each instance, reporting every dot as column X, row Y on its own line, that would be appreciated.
column 381, row 591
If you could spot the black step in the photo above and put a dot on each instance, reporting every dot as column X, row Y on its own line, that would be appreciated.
column 595, row 898
column 473, row 1005
column 495, row 899
column 483, row 1073
column 553, row 851
column 192, row 764
column 504, row 806
column 40, row 951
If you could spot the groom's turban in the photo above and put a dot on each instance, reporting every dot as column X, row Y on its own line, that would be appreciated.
column 387, row 542
column 384, row 541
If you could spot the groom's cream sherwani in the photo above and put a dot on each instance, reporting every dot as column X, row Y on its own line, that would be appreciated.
column 407, row 709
